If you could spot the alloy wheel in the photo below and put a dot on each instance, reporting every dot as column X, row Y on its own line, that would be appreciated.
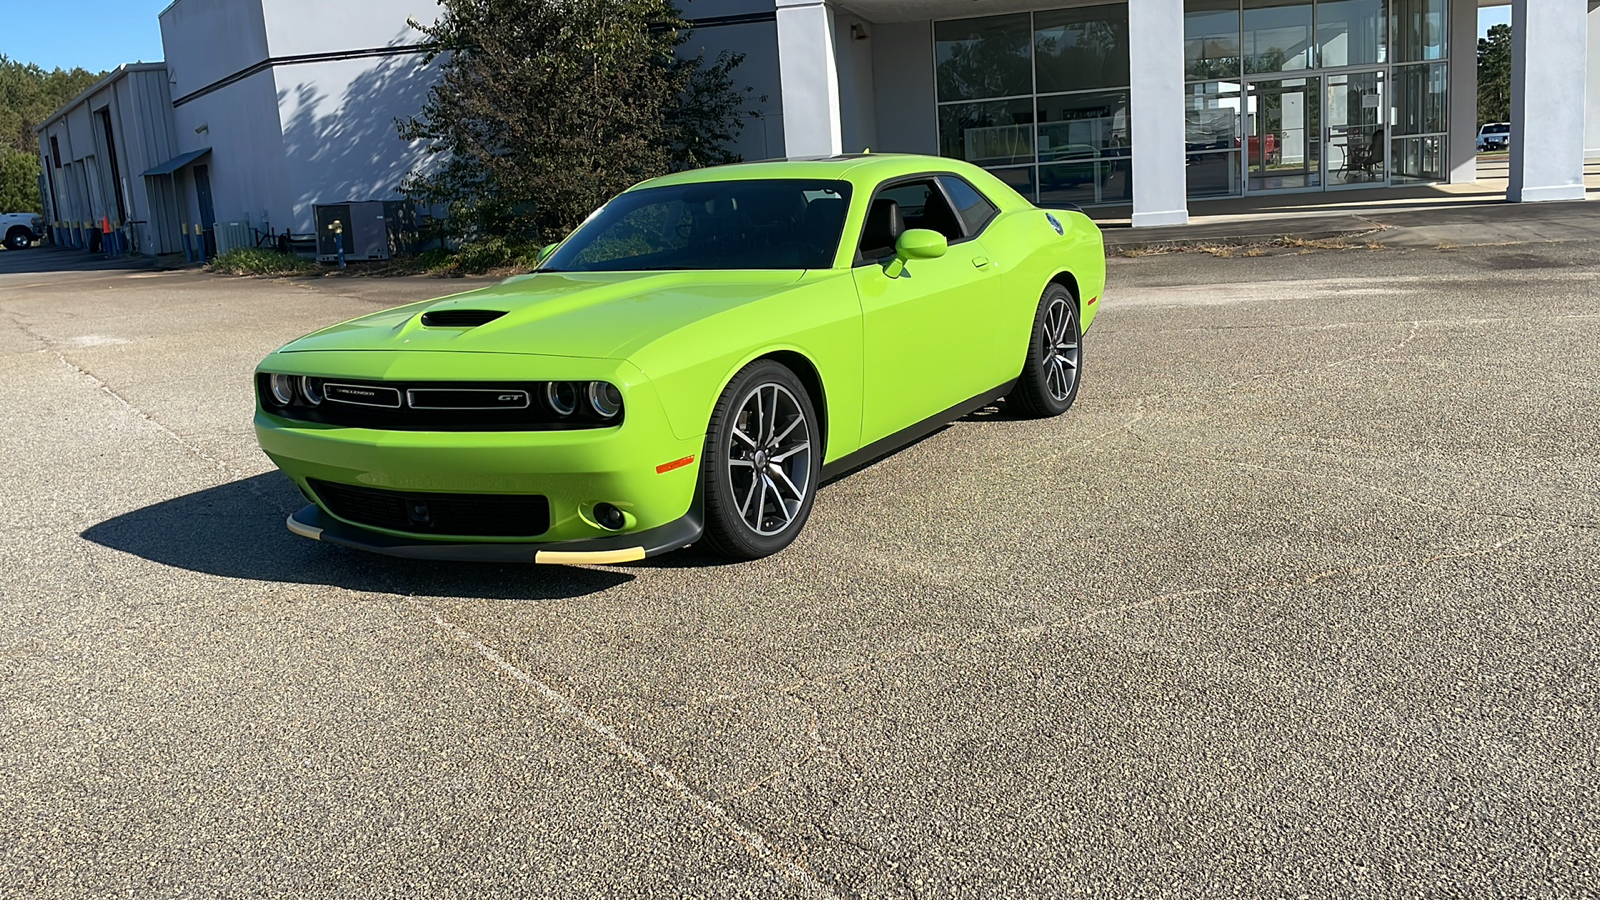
column 769, row 459
column 1060, row 350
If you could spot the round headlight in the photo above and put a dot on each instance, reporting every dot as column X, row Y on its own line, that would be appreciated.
column 311, row 389
column 562, row 397
column 605, row 399
column 282, row 389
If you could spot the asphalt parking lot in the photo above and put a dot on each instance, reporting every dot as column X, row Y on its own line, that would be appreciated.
column 1300, row 600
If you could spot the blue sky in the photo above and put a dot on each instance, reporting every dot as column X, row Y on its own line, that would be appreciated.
column 102, row 35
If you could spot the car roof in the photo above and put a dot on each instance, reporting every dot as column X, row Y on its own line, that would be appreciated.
column 860, row 168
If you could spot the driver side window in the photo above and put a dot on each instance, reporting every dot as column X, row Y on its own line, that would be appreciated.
column 897, row 209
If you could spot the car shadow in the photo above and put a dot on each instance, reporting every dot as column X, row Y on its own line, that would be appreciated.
column 236, row 530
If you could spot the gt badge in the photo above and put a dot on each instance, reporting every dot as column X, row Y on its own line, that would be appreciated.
column 1054, row 223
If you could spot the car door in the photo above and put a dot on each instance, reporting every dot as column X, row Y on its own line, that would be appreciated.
column 926, row 339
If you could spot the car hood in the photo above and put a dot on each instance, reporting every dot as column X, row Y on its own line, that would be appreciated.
column 597, row 315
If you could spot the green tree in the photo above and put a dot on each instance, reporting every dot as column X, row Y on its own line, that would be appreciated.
column 28, row 94
column 1494, row 75
column 544, row 109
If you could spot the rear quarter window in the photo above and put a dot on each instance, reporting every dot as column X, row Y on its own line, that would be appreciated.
column 974, row 209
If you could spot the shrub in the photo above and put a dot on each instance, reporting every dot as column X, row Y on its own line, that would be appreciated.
column 260, row 261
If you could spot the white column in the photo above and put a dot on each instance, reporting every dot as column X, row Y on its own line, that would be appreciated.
column 809, row 77
column 1155, row 54
column 1462, row 68
column 1591, row 141
column 1549, row 64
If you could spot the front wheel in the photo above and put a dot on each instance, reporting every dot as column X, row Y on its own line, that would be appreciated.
column 19, row 239
column 762, row 461
column 1049, row 380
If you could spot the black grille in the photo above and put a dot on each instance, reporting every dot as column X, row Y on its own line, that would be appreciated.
column 434, row 406
column 460, row 318
column 462, row 515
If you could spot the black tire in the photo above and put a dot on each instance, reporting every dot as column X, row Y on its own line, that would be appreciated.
column 19, row 238
column 756, row 480
column 1049, row 380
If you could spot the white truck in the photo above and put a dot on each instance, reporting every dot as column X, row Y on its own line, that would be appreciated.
column 20, row 230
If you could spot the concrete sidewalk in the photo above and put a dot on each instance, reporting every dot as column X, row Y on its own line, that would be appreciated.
column 1422, row 216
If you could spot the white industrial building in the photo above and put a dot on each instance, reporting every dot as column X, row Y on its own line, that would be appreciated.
column 267, row 107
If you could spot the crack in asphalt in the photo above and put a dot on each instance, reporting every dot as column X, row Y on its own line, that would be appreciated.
column 744, row 835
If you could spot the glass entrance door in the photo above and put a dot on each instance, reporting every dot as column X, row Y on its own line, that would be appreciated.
column 1355, row 139
column 1283, row 134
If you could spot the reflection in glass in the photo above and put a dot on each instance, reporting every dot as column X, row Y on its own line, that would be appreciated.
column 1211, row 38
column 1418, row 160
column 1020, row 180
column 1213, row 174
column 1419, row 29
column 1211, row 117
column 1086, row 182
column 1419, row 99
column 1351, row 32
column 996, row 133
column 1277, row 35
column 1284, row 134
column 1073, row 126
column 1081, row 48
column 979, row 58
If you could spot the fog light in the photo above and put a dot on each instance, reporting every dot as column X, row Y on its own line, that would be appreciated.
column 282, row 388
column 608, row 516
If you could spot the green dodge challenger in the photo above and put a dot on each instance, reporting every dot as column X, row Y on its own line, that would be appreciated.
column 688, row 366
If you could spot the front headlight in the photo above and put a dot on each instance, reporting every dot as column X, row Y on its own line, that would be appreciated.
column 605, row 399
column 281, row 389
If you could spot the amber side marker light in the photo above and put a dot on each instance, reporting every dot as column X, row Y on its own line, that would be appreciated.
column 664, row 468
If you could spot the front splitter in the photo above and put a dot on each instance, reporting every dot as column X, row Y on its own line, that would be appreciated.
column 313, row 523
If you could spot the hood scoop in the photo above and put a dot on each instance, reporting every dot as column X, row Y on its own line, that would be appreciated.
column 460, row 318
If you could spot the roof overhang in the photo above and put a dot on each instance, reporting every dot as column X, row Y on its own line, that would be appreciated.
column 175, row 163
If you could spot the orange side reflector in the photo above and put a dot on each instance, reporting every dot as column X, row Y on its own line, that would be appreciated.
column 1092, row 301
column 664, row 468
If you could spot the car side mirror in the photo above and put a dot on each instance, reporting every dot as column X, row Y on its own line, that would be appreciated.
column 544, row 252
column 917, row 243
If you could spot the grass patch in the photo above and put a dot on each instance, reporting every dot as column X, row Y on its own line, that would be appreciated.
column 260, row 261
column 491, row 256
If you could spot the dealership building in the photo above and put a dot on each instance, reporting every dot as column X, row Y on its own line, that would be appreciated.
column 266, row 108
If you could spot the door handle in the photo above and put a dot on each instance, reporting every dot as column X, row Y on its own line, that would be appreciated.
column 980, row 261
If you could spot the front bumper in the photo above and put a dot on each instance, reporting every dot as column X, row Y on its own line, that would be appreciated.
column 629, row 466
column 313, row 523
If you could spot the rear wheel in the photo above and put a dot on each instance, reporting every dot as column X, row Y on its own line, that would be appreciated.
column 1049, row 380
column 19, row 239
column 762, row 461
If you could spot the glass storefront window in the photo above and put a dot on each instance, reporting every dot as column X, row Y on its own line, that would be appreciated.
column 1211, row 39
column 1020, row 179
column 1073, row 126
column 1081, row 49
column 1211, row 116
column 1277, row 35
column 1213, row 174
column 1418, row 160
column 1419, row 99
column 1086, row 182
column 996, row 133
column 1351, row 32
column 981, row 58
column 1419, row 28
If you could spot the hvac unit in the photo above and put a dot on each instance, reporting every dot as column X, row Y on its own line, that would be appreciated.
column 372, row 229
column 233, row 235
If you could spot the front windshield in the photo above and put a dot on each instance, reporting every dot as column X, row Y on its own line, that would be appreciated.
column 771, row 224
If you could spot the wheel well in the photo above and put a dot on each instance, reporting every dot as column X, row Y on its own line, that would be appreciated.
column 22, row 228
column 1066, row 280
column 807, row 373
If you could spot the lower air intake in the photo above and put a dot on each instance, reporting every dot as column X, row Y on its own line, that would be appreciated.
column 455, row 515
